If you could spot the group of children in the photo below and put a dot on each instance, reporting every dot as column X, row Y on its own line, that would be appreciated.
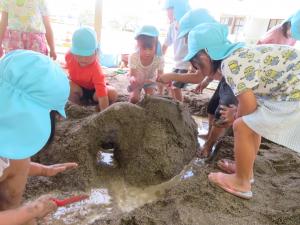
column 258, row 93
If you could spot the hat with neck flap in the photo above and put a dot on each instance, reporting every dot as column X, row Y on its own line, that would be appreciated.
column 31, row 85
column 211, row 37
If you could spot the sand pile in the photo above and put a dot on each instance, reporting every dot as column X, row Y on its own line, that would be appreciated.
column 195, row 201
column 152, row 141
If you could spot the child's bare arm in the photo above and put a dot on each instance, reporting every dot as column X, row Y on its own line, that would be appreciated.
column 49, row 36
column 194, row 78
column 24, row 214
column 247, row 103
column 3, row 26
column 103, row 102
column 37, row 169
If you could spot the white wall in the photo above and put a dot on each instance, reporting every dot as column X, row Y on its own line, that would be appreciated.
column 254, row 29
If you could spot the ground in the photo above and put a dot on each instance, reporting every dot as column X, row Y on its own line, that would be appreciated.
column 186, row 199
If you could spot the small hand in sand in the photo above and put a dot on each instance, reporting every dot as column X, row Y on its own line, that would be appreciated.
column 52, row 170
column 228, row 113
column 42, row 206
column 203, row 152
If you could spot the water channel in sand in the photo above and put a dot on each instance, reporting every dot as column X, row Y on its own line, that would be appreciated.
column 114, row 196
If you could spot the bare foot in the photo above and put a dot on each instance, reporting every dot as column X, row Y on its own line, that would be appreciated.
column 226, row 165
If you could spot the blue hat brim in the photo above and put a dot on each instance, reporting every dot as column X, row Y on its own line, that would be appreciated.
column 222, row 52
column 295, row 33
column 190, row 55
column 25, row 128
column 76, row 51
column 182, row 33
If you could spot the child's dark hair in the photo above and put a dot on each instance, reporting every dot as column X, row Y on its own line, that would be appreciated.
column 216, row 64
column 146, row 41
column 285, row 26
column 52, row 122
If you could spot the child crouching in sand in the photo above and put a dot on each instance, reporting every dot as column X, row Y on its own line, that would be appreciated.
column 33, row 89
column 146, row 64
column 266, row 81
column 85, row 73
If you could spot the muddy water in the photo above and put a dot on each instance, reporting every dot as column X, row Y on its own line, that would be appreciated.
column 114, row 196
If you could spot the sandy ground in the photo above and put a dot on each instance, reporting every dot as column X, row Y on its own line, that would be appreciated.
column 186, row 199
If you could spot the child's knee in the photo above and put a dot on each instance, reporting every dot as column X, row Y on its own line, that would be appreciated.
column 112, row 95
column 240, row 126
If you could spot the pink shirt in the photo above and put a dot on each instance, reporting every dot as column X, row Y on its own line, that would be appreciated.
column 275, row 36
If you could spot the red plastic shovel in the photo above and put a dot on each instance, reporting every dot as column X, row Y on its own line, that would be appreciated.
column 67, row 201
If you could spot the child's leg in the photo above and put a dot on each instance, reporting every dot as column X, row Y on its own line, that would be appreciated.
column 134, row 96
column 177, row 94
column 75, row 93
column 245, row 144
column 149, row 91
column 112, row 94
column 213, row 136
column 161, row 88
column 12, row 187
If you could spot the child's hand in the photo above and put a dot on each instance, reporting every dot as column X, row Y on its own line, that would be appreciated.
column 42, row 206
column 53, row 55
column 228, row 113
column 1, row 51
column 52, row 170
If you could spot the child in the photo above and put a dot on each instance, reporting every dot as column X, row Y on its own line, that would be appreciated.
column 33, row 89
column 25, row 25
column 146, row 64
column 223, row 94
column 175, row 10
column 266, row 81
column 85, row 73
column 286, row 33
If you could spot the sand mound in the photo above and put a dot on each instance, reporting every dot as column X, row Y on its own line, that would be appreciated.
column 195, row 201
column 152, row 141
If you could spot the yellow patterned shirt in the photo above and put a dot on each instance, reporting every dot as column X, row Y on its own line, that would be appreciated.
column 25, row 15
column 271, row 71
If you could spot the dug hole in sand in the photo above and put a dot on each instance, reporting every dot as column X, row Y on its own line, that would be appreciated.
column 155, row 179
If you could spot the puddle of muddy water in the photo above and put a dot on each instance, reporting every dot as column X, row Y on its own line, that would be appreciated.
column 115, row 196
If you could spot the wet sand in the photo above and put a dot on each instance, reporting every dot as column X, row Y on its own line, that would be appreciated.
column 186, row 199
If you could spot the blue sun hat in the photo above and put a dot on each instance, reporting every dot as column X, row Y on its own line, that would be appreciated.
column 295, row 26
column 84, row 42
column 213, row 38
column 180, row 7
column 151, row 31
column 31, row 85
column 193, row 18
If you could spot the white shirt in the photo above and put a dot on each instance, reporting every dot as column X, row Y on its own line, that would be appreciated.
column 146, row 73
column 180, row 47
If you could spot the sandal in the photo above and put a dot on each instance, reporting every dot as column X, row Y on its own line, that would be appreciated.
column 217, row 180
